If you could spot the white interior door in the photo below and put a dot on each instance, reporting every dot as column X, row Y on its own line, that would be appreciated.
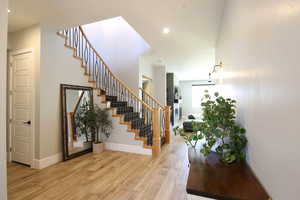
column 21, row 118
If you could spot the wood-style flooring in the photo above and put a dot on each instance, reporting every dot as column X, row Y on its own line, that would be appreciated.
column 106, row 176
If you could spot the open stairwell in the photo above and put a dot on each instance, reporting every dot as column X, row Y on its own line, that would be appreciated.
column 148, row 121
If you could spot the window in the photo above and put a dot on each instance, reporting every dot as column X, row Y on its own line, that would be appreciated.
column 198, row 93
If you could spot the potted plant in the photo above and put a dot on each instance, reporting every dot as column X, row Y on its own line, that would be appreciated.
column 81, row 121
column 101, row 125
column 219, row 129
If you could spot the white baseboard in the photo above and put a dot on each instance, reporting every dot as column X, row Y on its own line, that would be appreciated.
column 127, row 148
column 193, row 197
column 46, row 162
column 51, row 160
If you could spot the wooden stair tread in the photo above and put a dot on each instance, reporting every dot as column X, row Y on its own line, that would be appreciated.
column 140, row 138
column 133, row 130
column 125, row 123
column 78, row 57
column 117, row 115
column 70, row 47
column 62, row 35
column 147, row 146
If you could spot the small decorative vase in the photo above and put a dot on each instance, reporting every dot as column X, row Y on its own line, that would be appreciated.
column 98, row 147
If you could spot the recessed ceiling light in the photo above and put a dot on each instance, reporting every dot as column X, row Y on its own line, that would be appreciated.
column 166, row 30
column 8, row 10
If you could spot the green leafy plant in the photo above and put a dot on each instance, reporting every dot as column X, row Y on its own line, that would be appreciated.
column 100, row 123
column 191, row 138
column 93, row 122
column 82, row 118
column 219, row 129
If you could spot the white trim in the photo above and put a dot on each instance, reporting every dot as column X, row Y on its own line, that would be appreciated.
column 46, row 162
column 20, row 51
column 127, row 148
column 193, row 197
column 33, row 108
column 3, row 74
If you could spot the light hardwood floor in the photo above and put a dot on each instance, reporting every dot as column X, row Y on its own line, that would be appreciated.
column 107, row 176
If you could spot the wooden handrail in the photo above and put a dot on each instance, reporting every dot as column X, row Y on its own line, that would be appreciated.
column 151, row 97
column 106, row 65
column 152, row 112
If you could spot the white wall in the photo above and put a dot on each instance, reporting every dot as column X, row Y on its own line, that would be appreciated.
column 145, row 67
column 160, row 84
column 259, row 45
column 150, row 68
column 30, row 38
column 3, row 67
column 57, row 67
column 120, row 46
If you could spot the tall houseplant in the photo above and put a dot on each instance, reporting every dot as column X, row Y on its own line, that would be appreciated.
column 219, row 129
column 100, row 124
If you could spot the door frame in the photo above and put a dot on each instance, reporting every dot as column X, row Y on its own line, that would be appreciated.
column 10, row 79
column 149, row 82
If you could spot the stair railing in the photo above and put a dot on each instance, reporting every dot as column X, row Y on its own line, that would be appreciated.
column 164, row 112
column 149, row 99
column 104, row 80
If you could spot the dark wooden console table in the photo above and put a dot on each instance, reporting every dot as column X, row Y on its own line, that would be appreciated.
column 213, row 179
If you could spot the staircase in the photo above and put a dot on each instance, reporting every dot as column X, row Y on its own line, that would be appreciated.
column 164, row 114
column 148, row 121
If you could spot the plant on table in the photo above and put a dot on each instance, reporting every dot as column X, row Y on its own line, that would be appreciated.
column 219, row 129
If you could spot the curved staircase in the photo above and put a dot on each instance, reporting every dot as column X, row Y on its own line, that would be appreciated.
column 148, row 121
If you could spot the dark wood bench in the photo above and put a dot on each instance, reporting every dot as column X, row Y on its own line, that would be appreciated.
column 213, row 179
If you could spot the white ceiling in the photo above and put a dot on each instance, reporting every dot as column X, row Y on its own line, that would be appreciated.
column 188, row 50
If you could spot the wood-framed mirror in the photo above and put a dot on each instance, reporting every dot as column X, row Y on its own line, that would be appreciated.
column 77, row 140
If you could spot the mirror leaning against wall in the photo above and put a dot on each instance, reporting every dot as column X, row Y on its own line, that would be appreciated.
column 77, row 137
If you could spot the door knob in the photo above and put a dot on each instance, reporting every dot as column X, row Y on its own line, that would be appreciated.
column 28, row 122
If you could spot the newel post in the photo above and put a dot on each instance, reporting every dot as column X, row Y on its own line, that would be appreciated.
column 167, row 124
column 156, row 147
